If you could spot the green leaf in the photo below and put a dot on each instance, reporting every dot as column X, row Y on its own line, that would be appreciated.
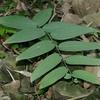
column 86, row 76
column 19, row 22
column 2, row 30
column 42, row 17
column 78, row 46
column 46, row 65
column 63, row 31
column 37, row 49
column 10, row 30
column 82, row 60
column 67, row 76
column 25, row 35
column 53, row 77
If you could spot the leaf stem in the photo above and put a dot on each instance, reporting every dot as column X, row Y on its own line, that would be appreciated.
column 57, row 49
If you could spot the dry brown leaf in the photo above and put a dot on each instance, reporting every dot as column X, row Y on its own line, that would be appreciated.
column 12, row 87
column 92, row 18
column 21, row 6
column 66, row 7
column 71, row 18
column 83, row 8
column 67, row 1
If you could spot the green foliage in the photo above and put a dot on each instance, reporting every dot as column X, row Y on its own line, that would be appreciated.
column 67, row 76
column 78, row 46
column 53, row 77
column 45, row 39
column 37, row 49
column 2, row 30
column 25, row 35
column 46, row 65
column 63, row 31
column 15, row 21
column 82, row 60
column 7, row 5
column 42, row 17
column 87, row 76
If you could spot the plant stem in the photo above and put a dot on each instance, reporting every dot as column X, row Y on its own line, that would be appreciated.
column 64, row 63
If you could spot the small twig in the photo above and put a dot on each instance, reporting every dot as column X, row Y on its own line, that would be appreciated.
column 84, row 38
column 10, row 75
column 95, row 39
column 16, row 51
column 90, row 24
column 4, row 45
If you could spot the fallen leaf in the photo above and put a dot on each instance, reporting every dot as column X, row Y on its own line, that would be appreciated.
column 71, row 18
column 12, row 87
